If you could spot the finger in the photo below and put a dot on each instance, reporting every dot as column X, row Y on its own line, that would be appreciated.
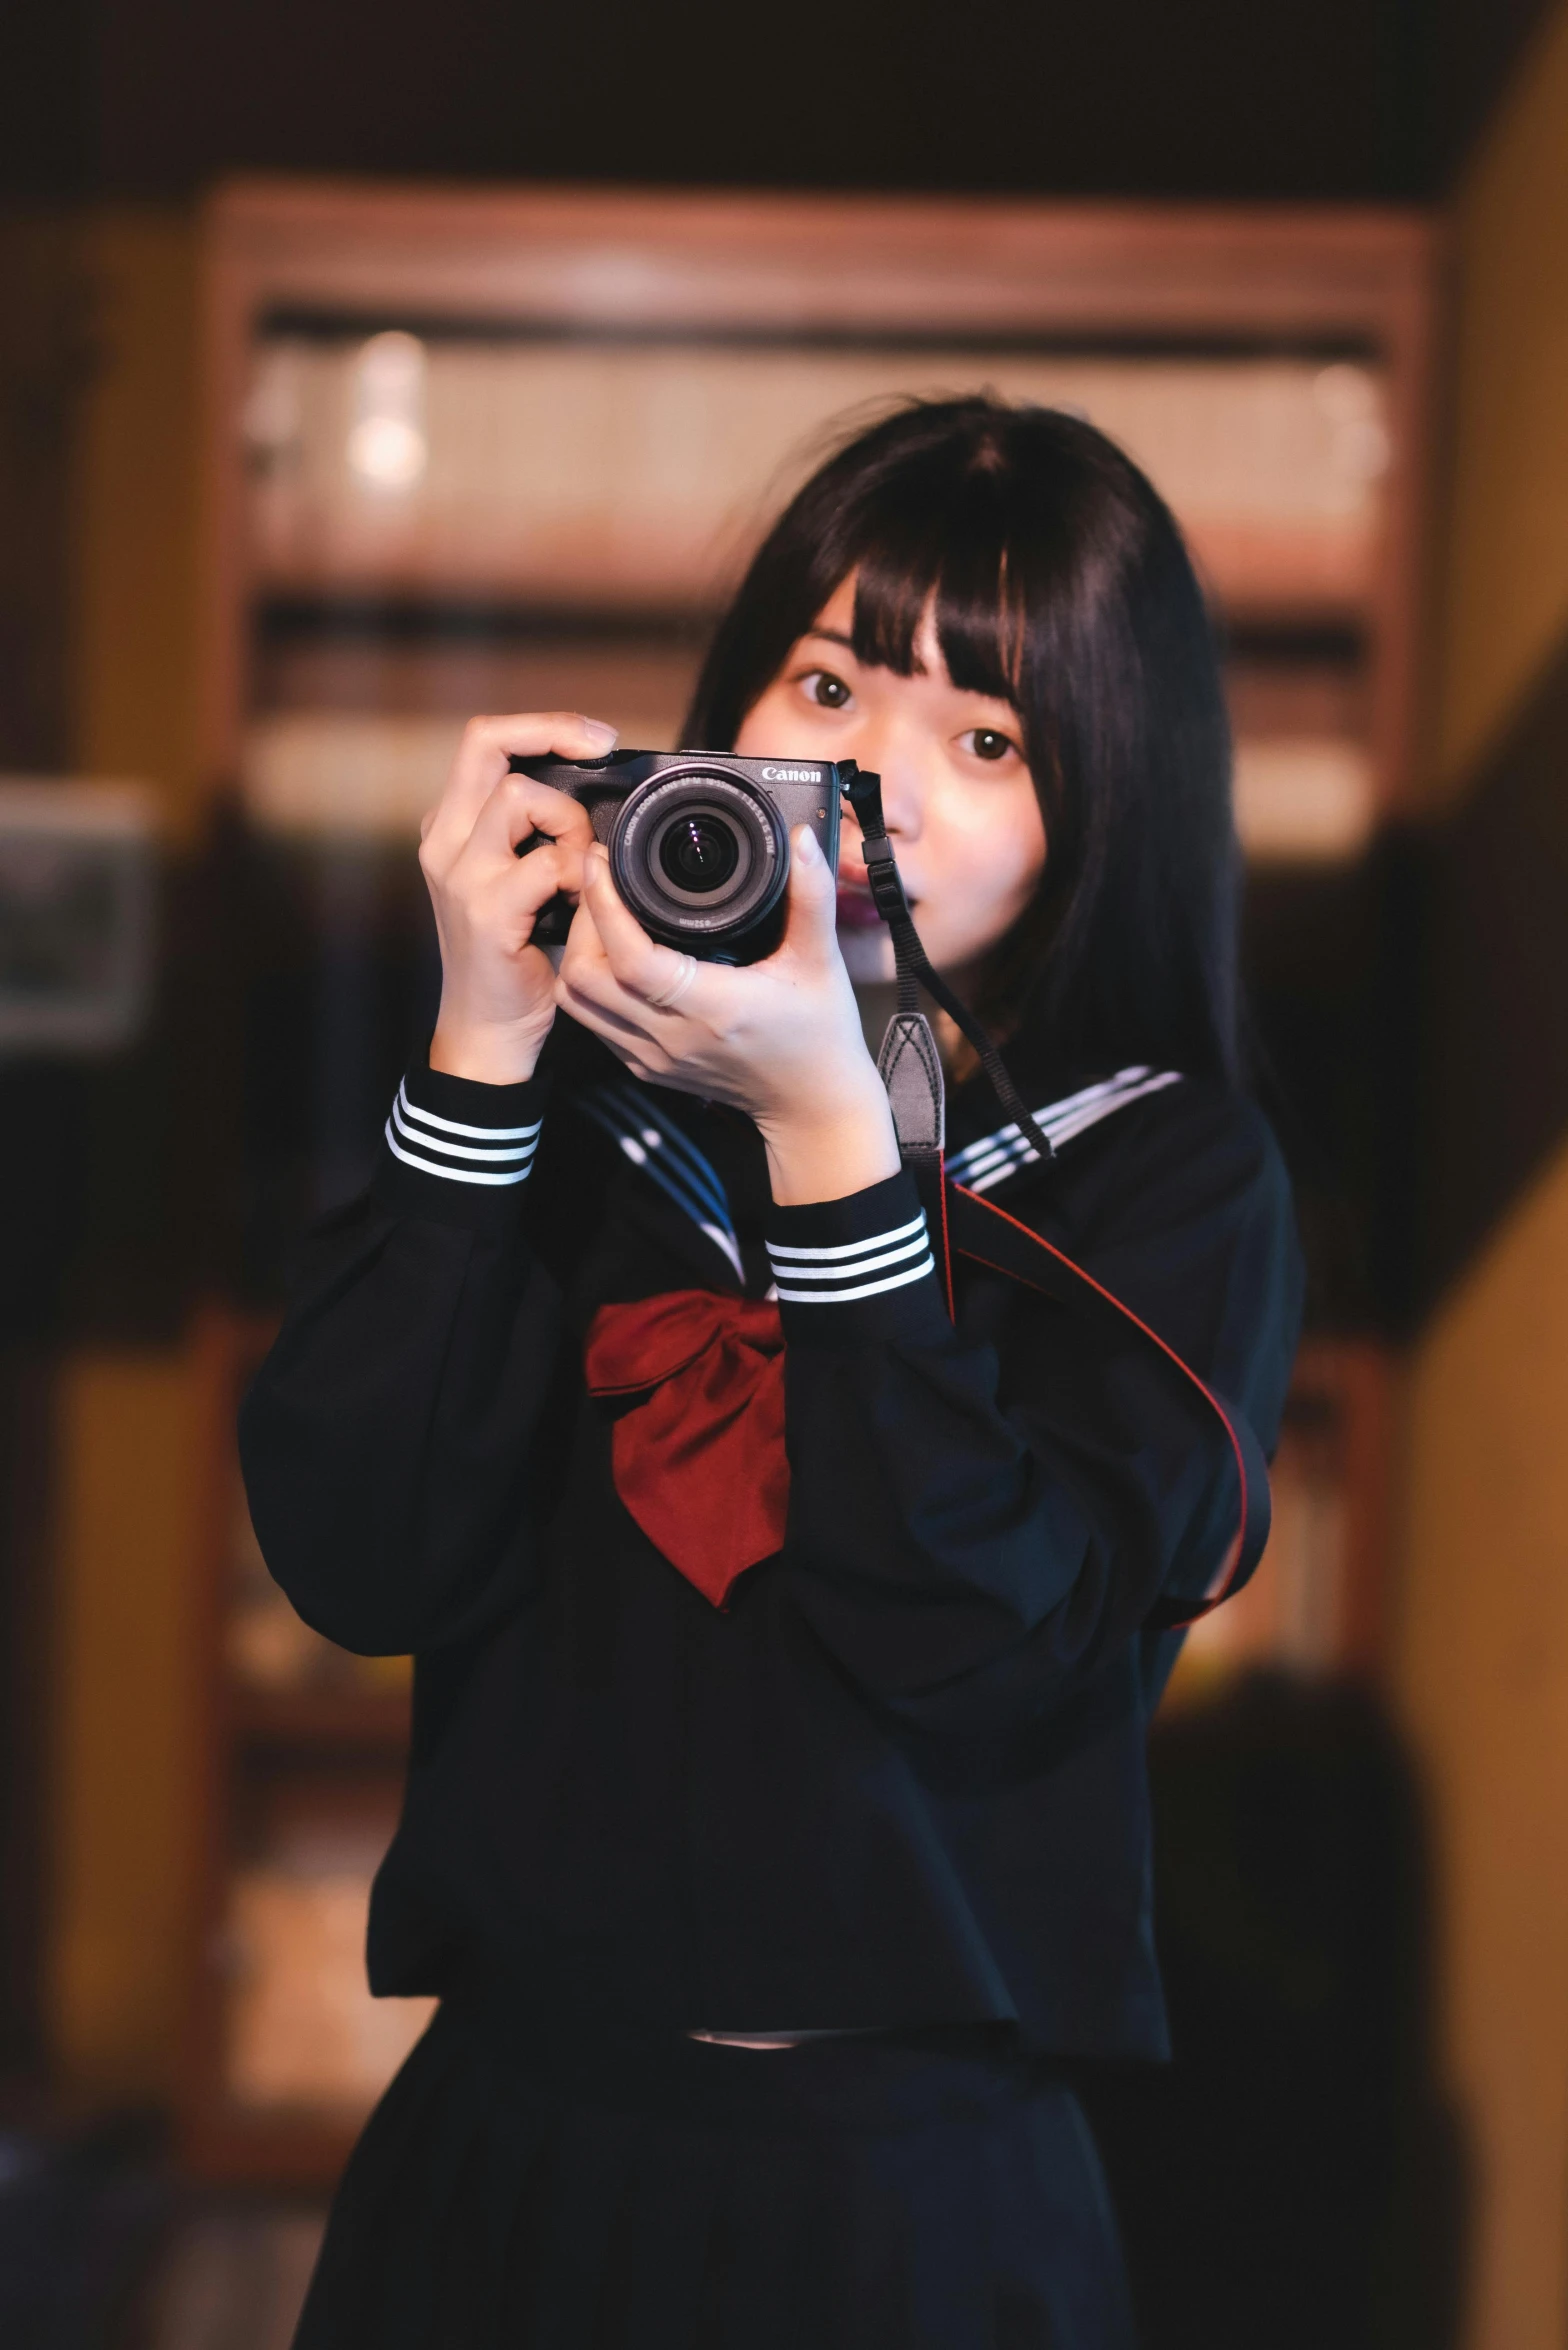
column 525, row 884
column 482, row 762
column 619, row 1029
column 811, row 916
column 585, row 975
column 588, row 989
column 482, row 755
column 518, row 808
column 640, row 966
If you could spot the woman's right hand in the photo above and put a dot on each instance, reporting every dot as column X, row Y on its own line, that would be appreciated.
column 497, row 988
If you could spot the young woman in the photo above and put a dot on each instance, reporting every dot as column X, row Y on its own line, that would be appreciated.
column 776, row 1832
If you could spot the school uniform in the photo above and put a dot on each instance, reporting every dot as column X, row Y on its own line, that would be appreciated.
column 784, row 1652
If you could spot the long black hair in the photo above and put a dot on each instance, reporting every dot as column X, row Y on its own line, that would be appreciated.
column 1060, row 584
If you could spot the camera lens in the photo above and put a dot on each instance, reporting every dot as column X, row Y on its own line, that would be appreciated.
column 699, row 852
column 700, row 855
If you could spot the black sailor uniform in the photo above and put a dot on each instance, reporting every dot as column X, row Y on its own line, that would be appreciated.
column 892, row 1792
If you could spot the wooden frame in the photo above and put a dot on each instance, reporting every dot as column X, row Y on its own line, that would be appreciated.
column 607, row 263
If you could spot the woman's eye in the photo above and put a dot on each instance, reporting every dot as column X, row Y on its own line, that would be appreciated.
column 826, row 690
column 987, row 743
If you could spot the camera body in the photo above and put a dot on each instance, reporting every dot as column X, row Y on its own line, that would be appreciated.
column 698, row 840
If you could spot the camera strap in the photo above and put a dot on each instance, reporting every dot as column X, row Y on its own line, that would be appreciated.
column 977, row 1228
column 910, row 1065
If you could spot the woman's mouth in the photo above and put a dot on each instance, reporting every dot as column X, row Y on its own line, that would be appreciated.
column 856, row 910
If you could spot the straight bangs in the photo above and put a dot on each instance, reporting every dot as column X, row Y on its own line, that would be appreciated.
column 1057, row 581
column 951, row 554
column 924, row 524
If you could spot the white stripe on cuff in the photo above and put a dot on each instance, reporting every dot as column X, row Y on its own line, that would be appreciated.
column 476, row 1133
column 837, row 1274
column 517, row 1152
column 853, row 1270
column 512, row 1161
column 843, row 1297
column 452, row 1174
column 849, row 1248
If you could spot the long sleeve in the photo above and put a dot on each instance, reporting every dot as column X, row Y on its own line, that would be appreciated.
column 980, row 1515
column 899, row 1777
column 393, row 1442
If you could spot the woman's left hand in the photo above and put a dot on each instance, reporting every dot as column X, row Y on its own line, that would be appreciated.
column 779, row 1039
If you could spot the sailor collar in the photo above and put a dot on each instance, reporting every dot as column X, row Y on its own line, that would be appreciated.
column 669, row 1160
column 990, row 1160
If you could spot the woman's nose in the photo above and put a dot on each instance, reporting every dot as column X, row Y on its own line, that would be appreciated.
column 896, row 762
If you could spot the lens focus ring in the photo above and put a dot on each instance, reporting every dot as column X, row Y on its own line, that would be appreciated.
column 700, row 856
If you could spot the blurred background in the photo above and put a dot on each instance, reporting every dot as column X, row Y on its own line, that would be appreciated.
column 365, row 366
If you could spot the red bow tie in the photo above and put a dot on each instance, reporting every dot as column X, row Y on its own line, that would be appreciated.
column 699, row 1462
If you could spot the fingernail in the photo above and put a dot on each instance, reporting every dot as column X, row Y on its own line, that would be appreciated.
column 806, row 848
column 599, row 731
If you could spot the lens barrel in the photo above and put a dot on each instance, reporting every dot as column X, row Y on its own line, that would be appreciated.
column 701, row 857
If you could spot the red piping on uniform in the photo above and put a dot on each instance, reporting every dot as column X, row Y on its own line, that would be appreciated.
column 947, row 1253
column 1232, row 1560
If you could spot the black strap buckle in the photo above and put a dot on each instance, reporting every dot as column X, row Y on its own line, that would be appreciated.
column 886, row 883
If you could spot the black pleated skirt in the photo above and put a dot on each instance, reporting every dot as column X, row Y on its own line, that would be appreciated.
column 534, row 2189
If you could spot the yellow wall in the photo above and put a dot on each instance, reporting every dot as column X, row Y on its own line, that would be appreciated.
column 121, row 1717
column 121, row 1832
column 1483, row 1661
column 1482, row 1647
column 136, row 582
column 1505, row 591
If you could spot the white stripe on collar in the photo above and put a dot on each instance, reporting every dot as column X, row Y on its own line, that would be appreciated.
column 980, row 1165
column 659, row 1149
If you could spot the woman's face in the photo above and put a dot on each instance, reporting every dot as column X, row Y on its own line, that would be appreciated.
column 959, row 800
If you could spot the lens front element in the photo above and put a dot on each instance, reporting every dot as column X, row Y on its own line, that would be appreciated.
column 700, row 856
column 699, row 852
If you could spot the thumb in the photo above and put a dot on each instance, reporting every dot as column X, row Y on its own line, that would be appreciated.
column 813, row 898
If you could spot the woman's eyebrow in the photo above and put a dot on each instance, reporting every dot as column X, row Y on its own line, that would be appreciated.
column 829, row 636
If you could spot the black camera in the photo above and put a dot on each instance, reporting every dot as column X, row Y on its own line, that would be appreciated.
column 698, row 840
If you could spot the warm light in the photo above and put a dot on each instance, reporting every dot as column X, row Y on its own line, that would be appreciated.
column 1351, row 399
column 1303, row 801
column 387, row 452
column 387, row 447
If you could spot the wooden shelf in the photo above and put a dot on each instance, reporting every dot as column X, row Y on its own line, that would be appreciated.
column 1317, row 581
column 1299, row 581
column 789, row 280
